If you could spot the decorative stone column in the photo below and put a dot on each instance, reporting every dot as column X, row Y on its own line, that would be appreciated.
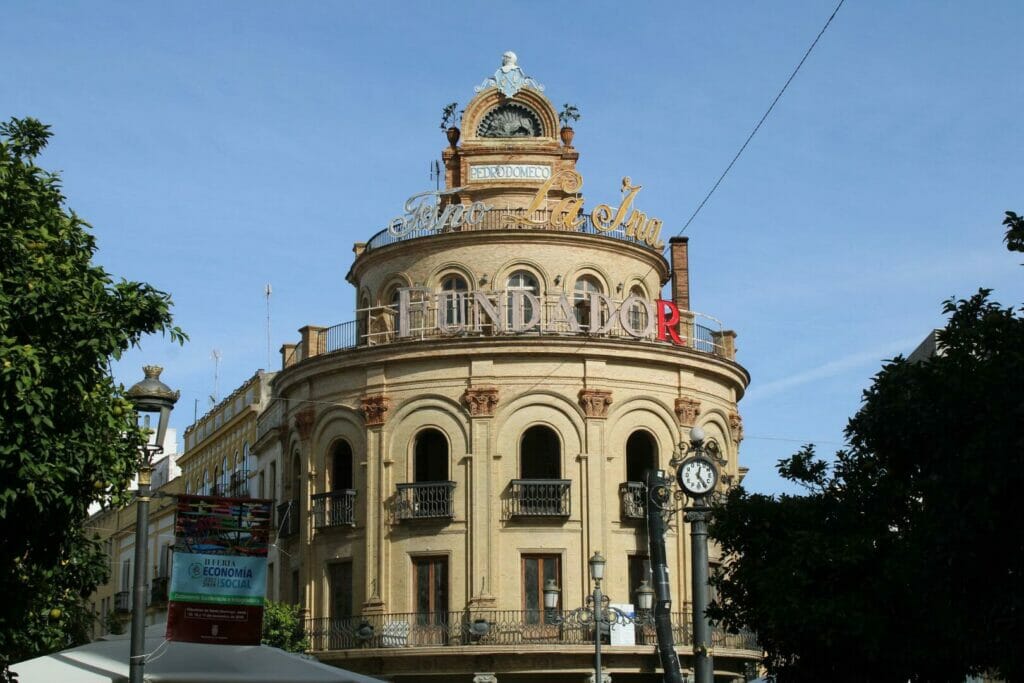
column 687, row 410
column 375, row 408
column 480, row 401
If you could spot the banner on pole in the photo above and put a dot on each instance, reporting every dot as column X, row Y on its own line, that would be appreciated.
column 219, row 572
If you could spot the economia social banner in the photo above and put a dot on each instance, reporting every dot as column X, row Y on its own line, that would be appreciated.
column 219, row 573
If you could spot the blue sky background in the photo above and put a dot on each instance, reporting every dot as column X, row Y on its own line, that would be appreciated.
column 217, row 147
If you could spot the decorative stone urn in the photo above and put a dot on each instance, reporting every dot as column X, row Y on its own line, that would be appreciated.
column 566, row 134
column 453, row 134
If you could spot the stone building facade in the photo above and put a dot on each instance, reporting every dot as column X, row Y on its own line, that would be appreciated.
column 486, row 421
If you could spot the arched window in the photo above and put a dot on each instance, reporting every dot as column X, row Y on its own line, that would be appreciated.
column 456, row 304
column 206, row 483
column 341, row 467
column 249, row 461
column 216, row 481
column 585, row 286
column 641, row 455
column 637, row 311
column 520, row 281
column 225, row 476
column 430, row 456
column 540, row 454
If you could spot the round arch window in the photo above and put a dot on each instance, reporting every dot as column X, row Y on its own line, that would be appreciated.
column 520, row 281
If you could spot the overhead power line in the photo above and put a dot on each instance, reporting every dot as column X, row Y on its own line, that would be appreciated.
column 759, row 123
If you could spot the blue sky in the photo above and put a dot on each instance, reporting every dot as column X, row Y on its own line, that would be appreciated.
column 217, row 147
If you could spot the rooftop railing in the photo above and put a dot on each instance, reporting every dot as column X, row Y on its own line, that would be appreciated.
column 462, row 317
column 505, row 219
column 495, row 628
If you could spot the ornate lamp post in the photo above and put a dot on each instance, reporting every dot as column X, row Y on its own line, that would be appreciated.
column 597, row 610
column 148, row 396
column 697, row 475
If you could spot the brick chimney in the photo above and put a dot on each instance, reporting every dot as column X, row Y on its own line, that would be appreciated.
column 680, row 272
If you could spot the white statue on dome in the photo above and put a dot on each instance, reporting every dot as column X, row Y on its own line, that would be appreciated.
column 509, row 78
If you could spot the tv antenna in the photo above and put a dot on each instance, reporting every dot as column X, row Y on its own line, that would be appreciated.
column 268, row 291
column 216, row 356
column 435, row 174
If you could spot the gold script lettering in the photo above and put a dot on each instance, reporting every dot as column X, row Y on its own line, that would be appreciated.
column 568, row 181
column 602, row 215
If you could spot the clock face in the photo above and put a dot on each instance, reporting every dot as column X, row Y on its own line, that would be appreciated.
column 697, row 476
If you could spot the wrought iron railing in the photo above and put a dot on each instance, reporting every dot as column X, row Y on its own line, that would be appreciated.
column 434, row 319
column 516, row 628
column 288, row 518
column 336, row 508
column 239, row 485
column 123, row 601
column 158, row 594
column 504, row 219
column 538, row 498
column 634, row 499
column 425, row 500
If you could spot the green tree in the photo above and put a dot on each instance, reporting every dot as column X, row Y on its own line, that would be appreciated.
column 67, row 436
column 282, row 627
column 904, row 560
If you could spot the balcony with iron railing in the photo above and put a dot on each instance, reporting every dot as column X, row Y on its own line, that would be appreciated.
column 634, row 499
column 424, row 500
column 123, row 601
column 512, row 629
column 288, row 518
column 334, row 509
column 158, row 593
column 537, row 498
column 238, row 487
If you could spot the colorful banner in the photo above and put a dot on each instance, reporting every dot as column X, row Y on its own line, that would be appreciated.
column 219, row 572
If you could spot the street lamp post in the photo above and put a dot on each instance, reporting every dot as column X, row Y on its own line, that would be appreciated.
column 698, row 476
column 597, row 609
column 148, row 396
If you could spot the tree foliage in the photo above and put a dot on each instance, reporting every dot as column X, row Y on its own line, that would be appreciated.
column 904, row 560
column 67, row 436
column 282, row 627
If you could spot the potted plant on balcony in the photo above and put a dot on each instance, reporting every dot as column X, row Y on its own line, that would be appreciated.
column 448, row 120
column 569, row 115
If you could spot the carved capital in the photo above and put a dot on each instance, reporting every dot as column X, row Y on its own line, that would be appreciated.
column 375, row 409
column 480, row 400
column 595, row 402
column 687, row 410
column 304, row 422
column 735, row 426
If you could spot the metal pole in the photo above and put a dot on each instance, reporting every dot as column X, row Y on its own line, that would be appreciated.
column 136, row 660
column 703, row 665
column 598, row 622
